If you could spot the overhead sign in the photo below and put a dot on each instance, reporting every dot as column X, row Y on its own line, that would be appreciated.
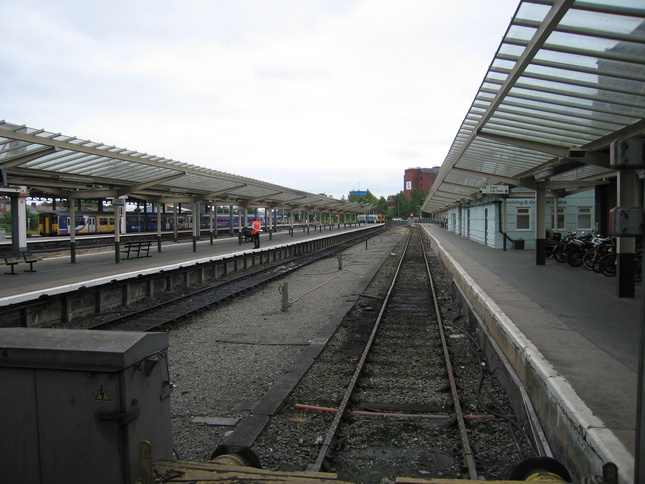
column 495, row 189
column 118, row 202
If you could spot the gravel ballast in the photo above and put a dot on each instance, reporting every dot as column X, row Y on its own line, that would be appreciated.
column 224, row 361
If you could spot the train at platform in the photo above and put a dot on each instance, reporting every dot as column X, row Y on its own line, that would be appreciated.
column 57, row 222
column 371, row 218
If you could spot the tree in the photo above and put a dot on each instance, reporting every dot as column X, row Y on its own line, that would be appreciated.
column 367, row 199
column 417, row 196
column 381, row 206
column 399, row 207
column 32, row 218
column 404, row 206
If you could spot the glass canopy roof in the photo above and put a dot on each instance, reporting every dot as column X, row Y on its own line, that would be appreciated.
column 566, row 81
column 55, row 165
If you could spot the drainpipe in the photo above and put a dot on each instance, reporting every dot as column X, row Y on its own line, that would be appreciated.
column 501, row 211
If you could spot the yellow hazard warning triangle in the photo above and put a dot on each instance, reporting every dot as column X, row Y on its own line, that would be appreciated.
column 102, row 395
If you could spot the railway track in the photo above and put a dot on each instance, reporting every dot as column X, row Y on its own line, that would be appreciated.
column 398, row 392
column 405, row 324
column 170, row 312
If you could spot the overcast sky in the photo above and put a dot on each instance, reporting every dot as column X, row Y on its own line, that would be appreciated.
column 325, row 96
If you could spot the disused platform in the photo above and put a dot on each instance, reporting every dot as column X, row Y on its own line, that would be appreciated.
column 571, row 340
column 61, row 290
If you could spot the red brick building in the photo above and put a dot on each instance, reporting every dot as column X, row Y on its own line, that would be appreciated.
column 419, row 179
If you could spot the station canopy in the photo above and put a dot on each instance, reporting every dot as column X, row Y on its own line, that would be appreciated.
column 567, row 80
column 53, row 165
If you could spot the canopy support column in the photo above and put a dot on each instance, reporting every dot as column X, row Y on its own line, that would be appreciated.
column 19, row 221
column 540, row 226
column 627, row 196
column 71, row 228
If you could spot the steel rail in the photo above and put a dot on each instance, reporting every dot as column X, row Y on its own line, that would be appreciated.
column 469, row 458
column 342, row 408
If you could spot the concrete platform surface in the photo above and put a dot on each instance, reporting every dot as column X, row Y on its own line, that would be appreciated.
column 578, row 325
column 59, row 271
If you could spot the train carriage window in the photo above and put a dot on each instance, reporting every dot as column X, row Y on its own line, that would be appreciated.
column 103, row 220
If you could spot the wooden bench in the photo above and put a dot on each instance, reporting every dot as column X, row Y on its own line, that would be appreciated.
column 14, row 258
column 136, row 249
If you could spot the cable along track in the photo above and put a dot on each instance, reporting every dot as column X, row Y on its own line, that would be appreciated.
column 399, row 413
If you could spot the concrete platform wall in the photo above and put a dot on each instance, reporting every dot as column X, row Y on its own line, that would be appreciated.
column 83, row 300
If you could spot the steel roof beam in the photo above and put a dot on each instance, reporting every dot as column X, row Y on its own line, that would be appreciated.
column 526, row 144
column 550, row 22
column 19, row 160
column 152, row 183
column 547, row 26
column 498, row 178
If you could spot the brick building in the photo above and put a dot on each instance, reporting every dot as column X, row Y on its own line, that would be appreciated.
column 419, row 179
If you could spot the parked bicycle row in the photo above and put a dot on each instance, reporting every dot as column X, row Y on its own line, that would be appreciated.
column 591, row 251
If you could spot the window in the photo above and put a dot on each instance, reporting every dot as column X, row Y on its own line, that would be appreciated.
column 560, row 218
column 584, row 218
column 523, row 219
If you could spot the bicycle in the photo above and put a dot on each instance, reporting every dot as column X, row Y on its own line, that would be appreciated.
column 601, row 247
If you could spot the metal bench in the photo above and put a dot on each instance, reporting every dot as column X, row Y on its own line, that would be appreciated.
column 136, row 249
column 14, row 258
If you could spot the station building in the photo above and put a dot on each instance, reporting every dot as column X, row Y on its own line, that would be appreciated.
column 510, row 221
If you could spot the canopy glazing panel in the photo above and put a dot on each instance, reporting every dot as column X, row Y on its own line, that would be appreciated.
column 568, row 74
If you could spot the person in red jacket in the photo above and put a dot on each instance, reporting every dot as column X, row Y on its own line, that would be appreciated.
column 255, row 233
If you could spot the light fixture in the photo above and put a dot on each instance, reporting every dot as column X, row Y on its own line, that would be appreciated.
column 543, row 174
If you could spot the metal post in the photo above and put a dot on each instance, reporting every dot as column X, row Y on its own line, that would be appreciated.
column 284, row 289
column 158, row 206
column 71, row 228
column 211, row 222
column 197, row 224
column 540, row 226
column 503, row 221
column 117, row 232
column 627, row 195
column 19, row 221
column 175, row 221
column 230, row 220
column 639, row 462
